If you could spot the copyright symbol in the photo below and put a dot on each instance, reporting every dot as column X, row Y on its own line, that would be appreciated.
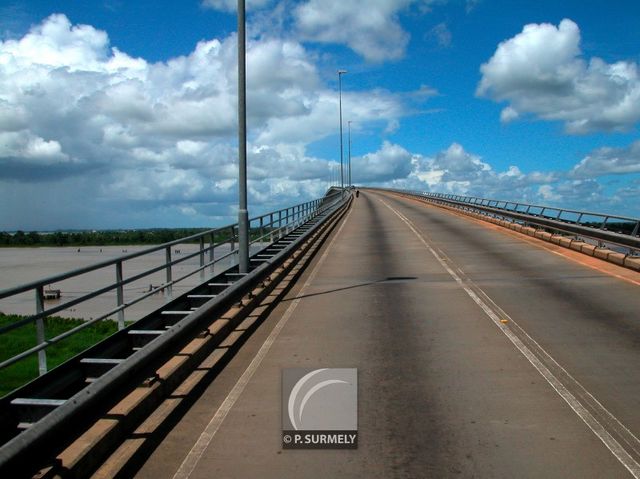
column 287, row 439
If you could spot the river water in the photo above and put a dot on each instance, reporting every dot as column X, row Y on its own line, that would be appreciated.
column 22, row 265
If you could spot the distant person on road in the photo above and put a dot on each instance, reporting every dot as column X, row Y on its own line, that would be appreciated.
column 357, row 193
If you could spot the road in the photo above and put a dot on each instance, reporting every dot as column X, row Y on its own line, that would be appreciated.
column 479, row 354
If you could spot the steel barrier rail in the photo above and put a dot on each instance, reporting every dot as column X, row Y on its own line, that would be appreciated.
column 48, row 432
column 555, row 219
column 271, row 226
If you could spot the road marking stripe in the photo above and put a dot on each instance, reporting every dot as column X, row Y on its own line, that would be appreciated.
column 195, row 454
column 598, row 429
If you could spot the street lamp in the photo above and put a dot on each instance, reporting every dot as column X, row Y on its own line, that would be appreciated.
column 340, row 73
column 349, row 126
column 243, row 214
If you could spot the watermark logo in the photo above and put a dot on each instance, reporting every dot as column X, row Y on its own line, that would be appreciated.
column 320, row 408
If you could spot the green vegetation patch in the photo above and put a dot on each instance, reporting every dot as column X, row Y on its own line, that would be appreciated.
column 24, row 337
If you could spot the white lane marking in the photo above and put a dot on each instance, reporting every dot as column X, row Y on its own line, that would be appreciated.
column 195, row 454
column 598, row 429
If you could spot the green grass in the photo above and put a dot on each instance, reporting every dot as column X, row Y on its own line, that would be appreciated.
column 24, row 337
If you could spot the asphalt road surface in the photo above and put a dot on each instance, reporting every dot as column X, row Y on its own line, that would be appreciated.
column 479, row 354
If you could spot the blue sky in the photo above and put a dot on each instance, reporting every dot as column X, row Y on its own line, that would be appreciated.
column 122, row 114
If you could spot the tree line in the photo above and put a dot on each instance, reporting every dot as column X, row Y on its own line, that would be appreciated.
column 97, row 238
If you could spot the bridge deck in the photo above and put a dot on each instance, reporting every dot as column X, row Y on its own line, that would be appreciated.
column 399, row 292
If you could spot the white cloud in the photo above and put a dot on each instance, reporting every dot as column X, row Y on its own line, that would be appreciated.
column 57, row 43
column 453, row 170
column 390, row 162
column 164, row 133
column 458, row 171
column 609, row 161
column 232, row 5
column 509, row 114
column 371, row 29
column 541, row 71
column 30, row 148
column 458, row 165
column 547, row 193
column 442, row 34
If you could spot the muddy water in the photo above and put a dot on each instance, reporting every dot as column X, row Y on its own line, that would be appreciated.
column 22, row 265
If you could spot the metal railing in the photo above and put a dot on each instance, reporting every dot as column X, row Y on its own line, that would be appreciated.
column 603, row 228
column 46, row 415
column 264, row 229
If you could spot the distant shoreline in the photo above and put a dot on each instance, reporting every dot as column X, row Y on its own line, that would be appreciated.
column 79, row 239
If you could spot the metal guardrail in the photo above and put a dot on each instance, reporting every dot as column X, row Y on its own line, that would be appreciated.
column 75, row 408
column 264, row 229
column 604, row 228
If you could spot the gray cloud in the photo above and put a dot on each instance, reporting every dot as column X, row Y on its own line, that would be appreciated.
column 609, row 161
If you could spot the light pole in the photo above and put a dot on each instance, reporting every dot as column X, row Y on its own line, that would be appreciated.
column 349, row 126
column 340, row 73
column 243, row 214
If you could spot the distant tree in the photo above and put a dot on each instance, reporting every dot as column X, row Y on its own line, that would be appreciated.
column 60, row 239
column 33, row 238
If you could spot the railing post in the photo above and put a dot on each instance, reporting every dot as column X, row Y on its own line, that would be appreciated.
column 212, row 250
column 270, row 227
column 202, row 258
column 169, row 275
column 40, row 333
column 233, row 239
column 287, row 221
column 261, row 230
column 120, row 294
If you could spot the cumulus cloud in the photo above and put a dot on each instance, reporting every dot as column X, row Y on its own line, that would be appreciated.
column 71, row 103
column 453, row 170
column 371, row 29
column 388, row 163
column 458, row 171
column 376, row 35
column 541, row 71
column 609, row 161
